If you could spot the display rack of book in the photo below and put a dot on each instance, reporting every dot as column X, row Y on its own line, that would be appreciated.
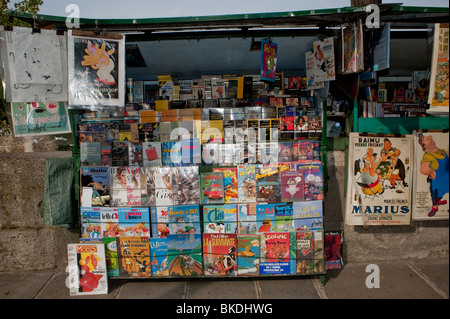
column 222, row 188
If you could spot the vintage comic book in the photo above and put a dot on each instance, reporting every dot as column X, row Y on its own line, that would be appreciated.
column 275, row 253
column 246, row 218
column 219, row 254
column 284, row 217
column 379, row 175
column 312, row 175
column 246, row 183
column 87, row 269
column 230, row 183
column 265, row 217
column 159, row 218
column 159, row 258
column 109, row 218
column 185, row 255
column 90, row 222
column 292, row 186
column 134, row 256
column 112, row 260
column 248, row 255
column 184, row 219
column 220, row 218
column 134, row 221
column 212, row 190
column 97, row 180
column 430, row 200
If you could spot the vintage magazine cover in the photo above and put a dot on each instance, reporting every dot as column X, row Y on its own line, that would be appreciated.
column 439, row 89
column 248, row 255
column 431, row 176
column 379, row 180
column 96, row 69
column 219, row 254
column 87, row 269
column 97, row 180
column 268, row 60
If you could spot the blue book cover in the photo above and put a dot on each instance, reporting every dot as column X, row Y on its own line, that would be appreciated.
column 134, row 221
column 159, row 258
column 184, row 219
column 265, row 218
column 307, row 209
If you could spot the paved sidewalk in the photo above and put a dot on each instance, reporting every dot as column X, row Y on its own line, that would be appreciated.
column 412, row 279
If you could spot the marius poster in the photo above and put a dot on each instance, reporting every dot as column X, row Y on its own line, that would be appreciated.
column 379, row 180
column 268, row 60
column 431, row 174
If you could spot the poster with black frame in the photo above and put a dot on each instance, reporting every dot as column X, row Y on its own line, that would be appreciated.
column 96, row 68
column 431, row 175
column 379, row 180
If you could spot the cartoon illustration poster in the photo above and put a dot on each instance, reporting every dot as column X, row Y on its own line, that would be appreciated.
column 268, row 60
column 439, row 89
column 96, row 69
column 379, row 180
column 324, row 62
column 37, row 118
column 431, row 170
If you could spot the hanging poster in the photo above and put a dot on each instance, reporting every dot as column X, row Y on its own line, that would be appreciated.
column 379, row 180
column 38, row 118
column 324, row 64
column 96, row 69
column 431, row 176
column 34, row 65
column 438, row 97
column 352, row 48
column 268, row 60
column 311, row 81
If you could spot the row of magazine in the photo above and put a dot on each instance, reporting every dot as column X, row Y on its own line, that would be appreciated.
column 188, row 151
column 119, row 186
column 158, row 222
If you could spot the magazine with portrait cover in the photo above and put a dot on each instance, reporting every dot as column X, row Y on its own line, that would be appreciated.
column 125, row 183
column 164, row 186
column 430, row 200
column 379, row 180
column 186, row 185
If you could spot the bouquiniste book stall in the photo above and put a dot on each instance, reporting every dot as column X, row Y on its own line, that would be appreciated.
column 219, row 176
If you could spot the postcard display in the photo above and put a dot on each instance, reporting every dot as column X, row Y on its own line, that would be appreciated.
column 214, row 180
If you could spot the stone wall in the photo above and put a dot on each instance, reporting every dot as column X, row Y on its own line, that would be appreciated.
column 26, row 243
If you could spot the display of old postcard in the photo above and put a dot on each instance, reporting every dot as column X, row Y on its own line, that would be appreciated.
column 431, row 171
column 379, row 180
column 39, row 118
column 35, row 65
column 96, row 68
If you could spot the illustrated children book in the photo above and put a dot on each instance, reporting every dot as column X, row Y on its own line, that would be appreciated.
column 265, row 218
column 220, row 218
column 184, row 219
column 87, row 269
column 247, row 255
column 159, row 217
column 112, row 260
column 246, row 183
column 219, row 254
column 90, row 222
column 134, row 256
column 246, row 218
column 185, row 254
